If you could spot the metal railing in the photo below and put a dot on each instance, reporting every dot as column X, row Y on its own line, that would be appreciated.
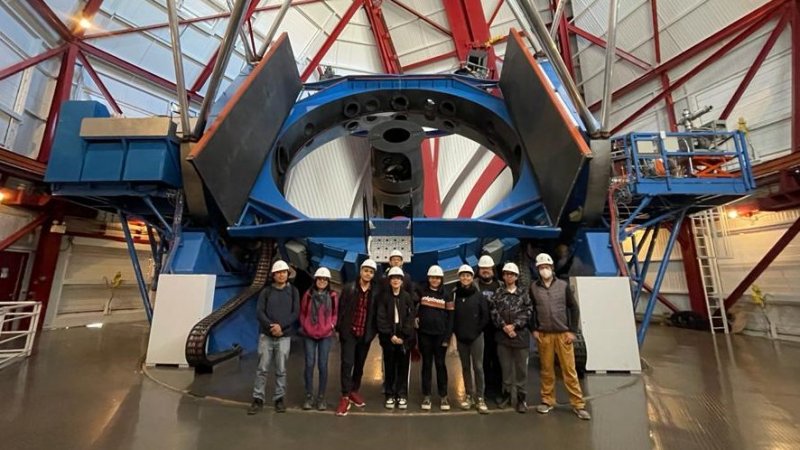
column 18, row 324
column 681, row 155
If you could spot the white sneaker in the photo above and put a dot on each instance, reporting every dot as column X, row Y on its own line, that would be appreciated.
column 444, row 405
column 482, row 408
column 389, row 403
column 402, row 403
column 426, row 403
column 467, row 403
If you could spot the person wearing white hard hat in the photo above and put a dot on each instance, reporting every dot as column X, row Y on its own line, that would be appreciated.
column 555, row 321
column 318, row 315
column 395, row 319
column 488, row 285
column 277, row 311
column 470, row 319
column 396, row 259
column 511, row 313
column 357, row 328
column 435, row 326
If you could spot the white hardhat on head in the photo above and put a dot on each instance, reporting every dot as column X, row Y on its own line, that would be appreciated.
column 322, row 272
column 369, row 263
column 435, row 271
column 395, row 272
column 466, row 268
column 279, row 266
column 396, row 253
column 542, row 259
column 511, row 267
column 486, row 261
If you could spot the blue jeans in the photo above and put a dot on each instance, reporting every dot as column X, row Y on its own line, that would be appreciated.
column 317, row 350
column 271, row 350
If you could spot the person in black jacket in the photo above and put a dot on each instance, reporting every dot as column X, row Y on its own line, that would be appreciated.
column 488, row 285
column 395, row 316
column 511, row 313
column 357, row 327
column 470, row 318
column 277, row 311
column 435, row 326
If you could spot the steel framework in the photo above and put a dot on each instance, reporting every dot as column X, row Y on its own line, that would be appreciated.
column 468, row 27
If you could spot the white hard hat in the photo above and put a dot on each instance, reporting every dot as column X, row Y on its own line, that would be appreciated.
column 369, row 263
column 511, row 267
column 466, row 268
column 543, row 258
column 279, row 266
column 485, row 262
column 396, row 253
column 322, row 272
column 395, row 272
column 435, row 271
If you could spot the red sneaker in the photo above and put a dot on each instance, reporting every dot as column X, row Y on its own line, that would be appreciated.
column 344, row 406
column 357, row 399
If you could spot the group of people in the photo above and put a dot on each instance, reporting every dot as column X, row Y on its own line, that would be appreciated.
column 490, row 321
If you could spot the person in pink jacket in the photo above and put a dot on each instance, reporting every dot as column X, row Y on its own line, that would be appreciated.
column 318, row 312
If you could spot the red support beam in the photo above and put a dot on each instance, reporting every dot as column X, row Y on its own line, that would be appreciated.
column 494, row 13
column 468, row 25
column 383, row 38
column 600, row 42
column 755, row 16
column 134, row 69
column 99, row 83
column 423, row 18
column 432, row 202
column 202, row 77
column 722, row 51
column 563, row 41
column 32, row 61
column 489, row 175
column 457, row 18
column 44, row 262
column 51, row 19
column 670, row 103
column 160, row 25
column 60, row 95
column 751, row 72
column 19, row 166
column 762, row 265
column 425, row 62
column 795, row 12
column 337, row 30
column 27, row 228
column 691, row 269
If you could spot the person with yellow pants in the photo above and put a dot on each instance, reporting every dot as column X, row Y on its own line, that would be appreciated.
column 555, row 322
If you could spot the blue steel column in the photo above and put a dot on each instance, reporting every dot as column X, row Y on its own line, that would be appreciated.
column 646, row 266
column 137, row 268
column 662, row 269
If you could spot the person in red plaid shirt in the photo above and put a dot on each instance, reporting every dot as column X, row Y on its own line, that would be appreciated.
column 357, row 328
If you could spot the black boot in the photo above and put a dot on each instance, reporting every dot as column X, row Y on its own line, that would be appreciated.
column 505, row 402
column 280, row 406
column 522, row 406
column 255, row 407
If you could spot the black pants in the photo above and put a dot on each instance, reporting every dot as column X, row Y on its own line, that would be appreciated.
column 491, row 363
column 354, row 355
column 395, row 363
column 433, row 352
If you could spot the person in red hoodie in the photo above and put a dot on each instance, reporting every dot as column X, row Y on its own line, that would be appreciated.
column 318, row 313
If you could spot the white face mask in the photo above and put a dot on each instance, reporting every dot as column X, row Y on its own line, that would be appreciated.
column 546, row 274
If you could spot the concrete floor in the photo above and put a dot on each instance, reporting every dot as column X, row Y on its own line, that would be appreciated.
column 84, row 389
